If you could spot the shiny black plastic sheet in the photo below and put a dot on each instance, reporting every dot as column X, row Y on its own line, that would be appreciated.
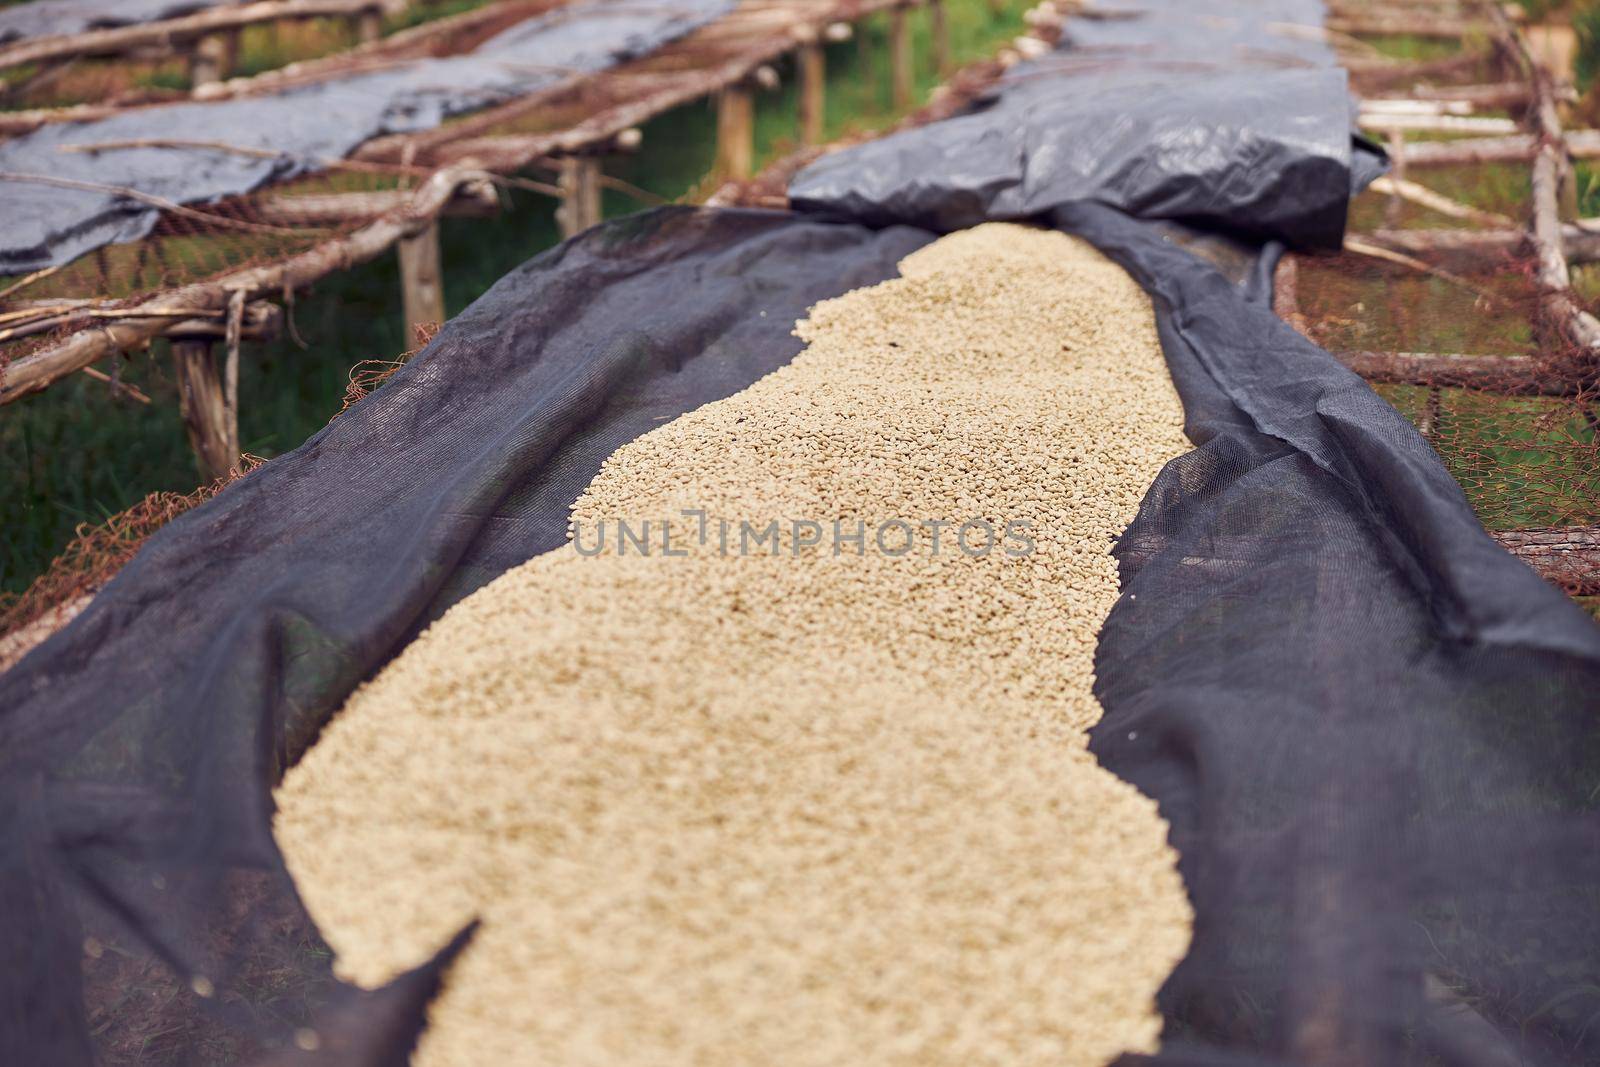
column 1227, row 116
column 1374, row 733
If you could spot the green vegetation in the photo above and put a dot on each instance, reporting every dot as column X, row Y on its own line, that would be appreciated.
column 1586, row 67
column 76, row 453
column 1408, row 46
column 1522, row 462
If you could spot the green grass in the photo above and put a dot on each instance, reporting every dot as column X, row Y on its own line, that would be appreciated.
column 1411, row 47
column 1522, row 462
column 1586, row 65
column 75, row 453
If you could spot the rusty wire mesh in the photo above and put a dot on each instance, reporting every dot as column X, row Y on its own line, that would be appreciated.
column 1523, row 443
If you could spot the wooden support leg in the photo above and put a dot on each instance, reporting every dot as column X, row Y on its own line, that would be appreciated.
column 208, row 64
column 421, row 280
column 939, row 30
column 900, row 59
column 864, row 57
column 213, row 427
column 735, row 132
column 1567, row 194
column 369, row 25
column 580, row 194
column 1429, row 426
column 813, row 87
column 1394, row 210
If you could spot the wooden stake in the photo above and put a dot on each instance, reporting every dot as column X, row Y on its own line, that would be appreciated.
column 939, row 30
column 1285, row 291
column 421, row 283
column 900, row 58
column 735, row 132
column 202, row 401
column 208, row 64
column 813, row 87
column 1431, row 414
column 580, row 195
column 369, row 25
column 1394, row 210
column 864, row 57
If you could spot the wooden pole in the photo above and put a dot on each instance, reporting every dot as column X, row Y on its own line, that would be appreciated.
column 813, row 88
column 1285, row 291
column 421, row 284
column 212, row 426
column 369, row 25
column 865, row 65
column 735, row 132
column 939, row 31
column 900, row 58
column 580, row 194
column 208, row 63
column 1394, row 210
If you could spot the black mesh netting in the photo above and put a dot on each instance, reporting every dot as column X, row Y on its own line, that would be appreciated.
column 1372, row 730
column 141, row 743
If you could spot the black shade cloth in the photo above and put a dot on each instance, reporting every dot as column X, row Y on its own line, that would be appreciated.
column 141, row 742
column 1374, row 732
column 1376, row 735
column 44, row 225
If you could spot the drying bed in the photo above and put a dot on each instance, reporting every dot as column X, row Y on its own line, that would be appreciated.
column 799, row 800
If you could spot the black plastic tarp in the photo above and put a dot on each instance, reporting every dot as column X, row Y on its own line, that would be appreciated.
column 51, row 18
column 1259, row 153
column 1166, row 110
column 43, row 225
